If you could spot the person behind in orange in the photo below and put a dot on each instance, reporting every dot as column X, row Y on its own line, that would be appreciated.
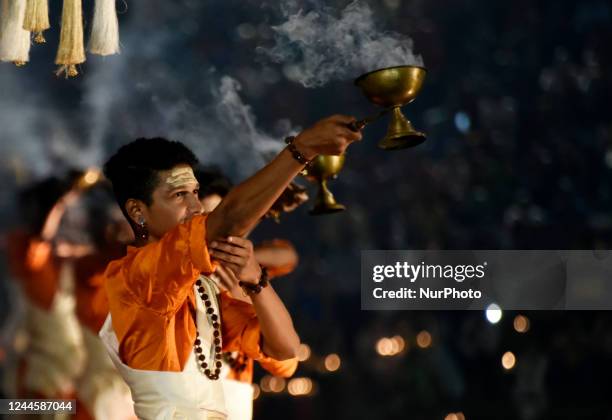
column 100, row 388
column 54, row 356
column 168, row 322
column 279, row 258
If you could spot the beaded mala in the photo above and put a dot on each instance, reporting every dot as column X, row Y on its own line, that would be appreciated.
column 213, row 369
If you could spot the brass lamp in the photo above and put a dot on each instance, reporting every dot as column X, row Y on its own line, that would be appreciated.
column 322, row 168
column 393, row 88
column 390, row 88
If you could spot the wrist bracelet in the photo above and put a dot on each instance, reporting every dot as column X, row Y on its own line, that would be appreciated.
column 295, row 152
column 254, row 289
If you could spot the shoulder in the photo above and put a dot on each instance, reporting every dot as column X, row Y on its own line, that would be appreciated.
column 118, row 270
column 118, row 278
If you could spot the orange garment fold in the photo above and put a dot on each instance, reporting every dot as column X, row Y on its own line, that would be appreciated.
column 240, row 331
column 32, row 263
column 236, row 310
column 282, row 368
column 152, row 302
column 92, row 302
column 278, row 270
column 91, row 299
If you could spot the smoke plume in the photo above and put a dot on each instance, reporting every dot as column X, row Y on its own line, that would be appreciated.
column 321, row 45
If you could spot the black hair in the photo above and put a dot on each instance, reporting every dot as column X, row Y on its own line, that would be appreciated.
column 98, row 203
column 37, row 200
column 212, row 181
column 133, row 169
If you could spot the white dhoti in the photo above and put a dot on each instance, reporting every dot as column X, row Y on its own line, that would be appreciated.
column 239, row 397
column 55, row 355
column 101, row 389
column 188, row 394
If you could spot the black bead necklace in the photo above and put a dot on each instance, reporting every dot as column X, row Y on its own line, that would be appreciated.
column 211, row 371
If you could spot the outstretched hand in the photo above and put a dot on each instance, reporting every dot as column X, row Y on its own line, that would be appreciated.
column 329, row 136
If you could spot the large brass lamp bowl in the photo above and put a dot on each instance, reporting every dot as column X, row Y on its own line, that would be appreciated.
column 392, row 88
column 322, row 168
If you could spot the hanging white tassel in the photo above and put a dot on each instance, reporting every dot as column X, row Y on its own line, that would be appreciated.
column 14, row 40
column 37, row 19
column 104, row 38
column 71, row 50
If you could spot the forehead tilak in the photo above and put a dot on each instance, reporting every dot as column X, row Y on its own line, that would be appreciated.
column 181, row 176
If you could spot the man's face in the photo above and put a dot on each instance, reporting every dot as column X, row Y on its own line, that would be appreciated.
column 210, row 202
column 175, row 200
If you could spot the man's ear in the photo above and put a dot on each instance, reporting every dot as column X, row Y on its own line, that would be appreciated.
column 136, row 210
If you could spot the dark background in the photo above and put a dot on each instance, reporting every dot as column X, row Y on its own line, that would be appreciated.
column 518, row 156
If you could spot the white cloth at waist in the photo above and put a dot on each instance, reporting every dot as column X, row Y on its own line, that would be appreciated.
column 159, row 395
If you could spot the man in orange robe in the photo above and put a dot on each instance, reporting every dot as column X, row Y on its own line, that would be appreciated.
column 54, row 356
column 168, row 323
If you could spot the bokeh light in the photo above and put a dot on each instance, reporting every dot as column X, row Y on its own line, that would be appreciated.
column 423, row 339
column 508, row 360
column 332, row 362
column 300, row 386
column 521, row 323
column 303, row 352
column 493, row 313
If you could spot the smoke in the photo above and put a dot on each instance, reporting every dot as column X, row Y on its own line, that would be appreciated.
column 224, row 133
column 321, row 46
column 239, row 117
column 160, row 85
column 99, row 98
column 33, row 132
column 145, row 92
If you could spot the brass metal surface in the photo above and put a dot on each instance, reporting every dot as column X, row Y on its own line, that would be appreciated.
column 322, row 168
column 392, row 88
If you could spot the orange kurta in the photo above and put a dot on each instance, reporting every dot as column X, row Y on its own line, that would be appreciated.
column 152, row 302
column 92, row 302
column 91, row 299
column 278, row 270
column 284, row 368
column 32, row 263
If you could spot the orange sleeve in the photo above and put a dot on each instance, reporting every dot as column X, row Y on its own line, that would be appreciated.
column 240, row 327
column 92, row 302
column 284, row 368
column 161, row 274
column 33, row 264
column 279, row 271
column 275, row 270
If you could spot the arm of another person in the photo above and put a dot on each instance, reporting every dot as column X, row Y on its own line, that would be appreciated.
column 277, row 256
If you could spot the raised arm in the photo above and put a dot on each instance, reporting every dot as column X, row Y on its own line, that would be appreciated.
column 247, row 203
column 54, row 217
